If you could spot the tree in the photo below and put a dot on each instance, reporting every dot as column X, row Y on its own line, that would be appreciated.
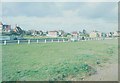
column 41, row 33
column 111, row 34
column 28, row 32
column 66, row 34
column 61, row 33
column 84, row 31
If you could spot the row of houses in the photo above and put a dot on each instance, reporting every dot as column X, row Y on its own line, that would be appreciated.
column 7, row 30
column 54, row 33
column 59, row 33
column 93, row 34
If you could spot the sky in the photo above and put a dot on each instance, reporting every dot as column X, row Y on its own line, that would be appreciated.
column 68, row 16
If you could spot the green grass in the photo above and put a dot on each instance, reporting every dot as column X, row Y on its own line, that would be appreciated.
column 56, row 61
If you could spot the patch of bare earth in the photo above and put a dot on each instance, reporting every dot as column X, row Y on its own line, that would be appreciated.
column 109, row 72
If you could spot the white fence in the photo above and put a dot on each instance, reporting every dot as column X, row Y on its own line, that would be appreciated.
column 5, row 42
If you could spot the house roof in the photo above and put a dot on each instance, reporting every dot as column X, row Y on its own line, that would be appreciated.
column 74, row 32
column 52, row 31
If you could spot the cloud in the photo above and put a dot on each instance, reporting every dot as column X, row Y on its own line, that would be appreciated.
column 68, row 16
column 30, row 9
column 65, row 23
column 0, row 10
column 102, row 10
column 59, row 0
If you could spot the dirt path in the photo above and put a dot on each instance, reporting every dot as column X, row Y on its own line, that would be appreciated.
column 107, row 73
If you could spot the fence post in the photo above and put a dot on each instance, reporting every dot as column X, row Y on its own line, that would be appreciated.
column 68, row 40
column 28, row 41
column 58, row 40
column 18, row 41
column 63, row 40
column 45, row 40
column 52, row 40
column 5, row 42
column 37, row 41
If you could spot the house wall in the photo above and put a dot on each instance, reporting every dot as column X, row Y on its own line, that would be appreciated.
column 115, row 34
column 93, row 34
column 52, row 34
column 6, row 28
column 1, row 29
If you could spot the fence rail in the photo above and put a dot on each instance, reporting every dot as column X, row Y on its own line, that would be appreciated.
column 29, row 41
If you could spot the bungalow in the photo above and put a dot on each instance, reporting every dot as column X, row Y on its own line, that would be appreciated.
column 45, row 33
column 6, row 28
column 52, row 33
column 116, row 34
column 74, row 36
column 93, row 34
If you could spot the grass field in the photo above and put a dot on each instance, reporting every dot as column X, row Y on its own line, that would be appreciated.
column 56, row 61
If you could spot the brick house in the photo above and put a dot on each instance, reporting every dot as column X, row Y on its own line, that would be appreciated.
column 6, row 28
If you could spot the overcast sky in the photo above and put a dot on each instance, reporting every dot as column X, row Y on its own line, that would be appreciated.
column 68, row 16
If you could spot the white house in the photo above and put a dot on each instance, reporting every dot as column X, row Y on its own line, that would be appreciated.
column 116, row 33
column 52, row 34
